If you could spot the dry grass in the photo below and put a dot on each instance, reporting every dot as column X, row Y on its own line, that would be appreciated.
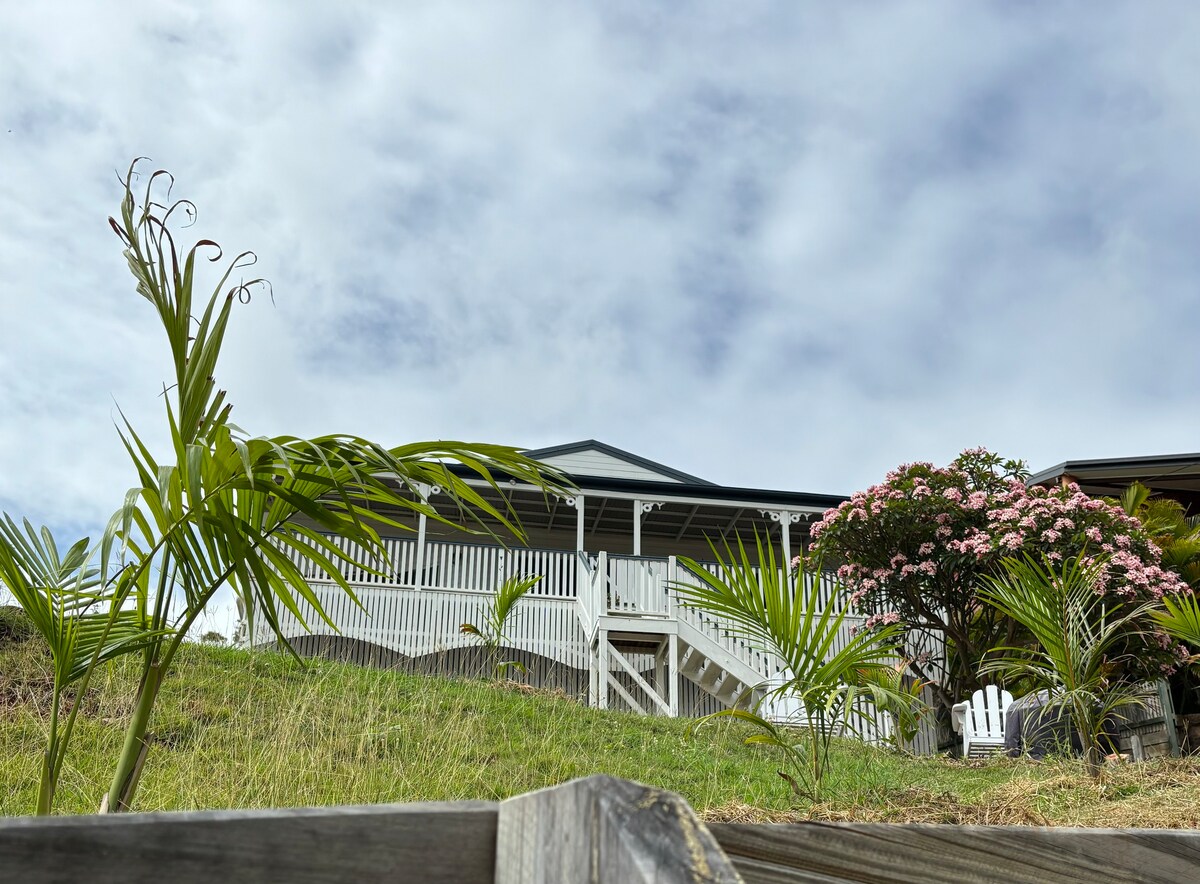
column 1161, row 794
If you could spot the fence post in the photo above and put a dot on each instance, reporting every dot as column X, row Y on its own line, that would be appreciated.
column 1168, row 711
column 603, row 830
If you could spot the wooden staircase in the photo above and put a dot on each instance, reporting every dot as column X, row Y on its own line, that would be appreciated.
column 641, row 642
column 707, row 665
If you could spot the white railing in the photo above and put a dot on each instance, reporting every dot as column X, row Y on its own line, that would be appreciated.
column 719, row 632
column 414, row 602
column 397, row 567
column 588, row 597
column 453, row 566
column 828, row 591
column 637, row 585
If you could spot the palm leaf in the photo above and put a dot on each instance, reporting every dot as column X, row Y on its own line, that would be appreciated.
column 787, row 618
column 1181, row 617
column 1076, row 632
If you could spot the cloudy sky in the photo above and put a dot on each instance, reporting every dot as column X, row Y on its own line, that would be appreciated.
column 784, row 245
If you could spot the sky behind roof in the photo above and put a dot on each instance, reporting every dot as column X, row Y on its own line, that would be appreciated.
column 774, row 245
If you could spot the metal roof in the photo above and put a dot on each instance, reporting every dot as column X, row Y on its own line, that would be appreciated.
column 1172, row 475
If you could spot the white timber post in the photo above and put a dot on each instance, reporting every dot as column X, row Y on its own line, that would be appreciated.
column 582, row 578
column 672, row 641
column 420, row 564
column 602, row 668
column 640, row 509
column 673, row 675
column 593, row 681
column 672, row 579
column 786, row 519
column 661, row 667
column 426, row 492
column 600, row 599
column 578, row 504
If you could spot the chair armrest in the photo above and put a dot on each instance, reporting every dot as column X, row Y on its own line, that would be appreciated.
column 958, row 713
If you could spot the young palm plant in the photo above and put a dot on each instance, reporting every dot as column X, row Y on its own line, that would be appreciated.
column 83, row 619
column 1076, row 633
column 491, row 633
column 223, row 509
column 779, row 615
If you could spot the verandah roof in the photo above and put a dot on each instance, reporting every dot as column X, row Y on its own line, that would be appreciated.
column 1176, row 476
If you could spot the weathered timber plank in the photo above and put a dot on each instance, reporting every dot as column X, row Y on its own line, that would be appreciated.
column 930, row 854
column 451, row 842
column 602, row 830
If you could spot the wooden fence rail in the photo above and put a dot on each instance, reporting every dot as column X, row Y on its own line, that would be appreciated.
column 598, row 830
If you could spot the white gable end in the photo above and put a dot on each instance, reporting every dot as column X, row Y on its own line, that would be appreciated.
column 599, row 463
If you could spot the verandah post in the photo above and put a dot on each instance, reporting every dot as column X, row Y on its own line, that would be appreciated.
column 601, row 583
column 672, row 579
column 637, row 527
column 579, row 523
column 419, row 576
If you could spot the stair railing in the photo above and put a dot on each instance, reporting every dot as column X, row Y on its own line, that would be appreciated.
column 590, row 592
column 718, row 631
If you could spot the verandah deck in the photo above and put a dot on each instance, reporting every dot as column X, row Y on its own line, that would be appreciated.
column 413, row 604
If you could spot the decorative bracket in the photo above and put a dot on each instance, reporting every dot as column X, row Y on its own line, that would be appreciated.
column 427, row 491
column 783, row 516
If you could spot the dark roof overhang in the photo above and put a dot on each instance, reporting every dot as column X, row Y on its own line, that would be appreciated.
column 1172, row 475
column 700, row 491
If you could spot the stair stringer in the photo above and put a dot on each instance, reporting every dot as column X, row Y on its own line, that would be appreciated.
column 738, row 683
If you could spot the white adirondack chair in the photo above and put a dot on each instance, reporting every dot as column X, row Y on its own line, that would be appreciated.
column 981, row 721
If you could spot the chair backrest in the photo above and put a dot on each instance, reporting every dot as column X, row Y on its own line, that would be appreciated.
column 986, row 715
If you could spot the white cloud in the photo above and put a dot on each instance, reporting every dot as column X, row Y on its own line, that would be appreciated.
column 770, row 247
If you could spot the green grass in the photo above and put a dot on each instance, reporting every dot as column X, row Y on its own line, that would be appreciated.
column 242, row 729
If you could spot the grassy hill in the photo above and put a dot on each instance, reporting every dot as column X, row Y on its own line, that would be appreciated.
column 255, row 729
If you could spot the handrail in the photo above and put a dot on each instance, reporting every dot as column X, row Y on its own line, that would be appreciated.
column 711, row 627
column 587, row 596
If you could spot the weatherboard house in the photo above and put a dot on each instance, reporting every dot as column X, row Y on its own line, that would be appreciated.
column 603, row 623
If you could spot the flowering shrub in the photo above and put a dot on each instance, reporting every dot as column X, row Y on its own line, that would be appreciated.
column 1064, row 521
column 914, row 548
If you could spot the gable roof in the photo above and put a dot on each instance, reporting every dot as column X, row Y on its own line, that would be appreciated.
column 592, row 458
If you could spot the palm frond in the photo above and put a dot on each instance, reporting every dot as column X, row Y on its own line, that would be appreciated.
column 1181, row 617
column 786, row 616
column 1076, row 633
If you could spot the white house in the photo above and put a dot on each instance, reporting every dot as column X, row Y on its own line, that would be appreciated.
column 602, row 623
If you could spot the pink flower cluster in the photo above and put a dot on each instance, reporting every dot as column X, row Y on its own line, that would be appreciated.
column 886, row 619
column 875, row 621
column 1064, row 520
column 924, row 536
column 923, row 509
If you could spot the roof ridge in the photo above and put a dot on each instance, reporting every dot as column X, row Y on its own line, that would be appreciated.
column 620, row 454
